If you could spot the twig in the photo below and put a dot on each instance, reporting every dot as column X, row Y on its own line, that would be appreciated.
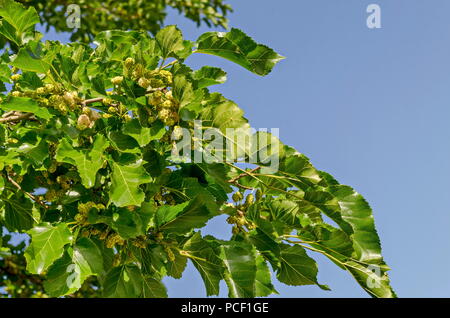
column 152, row 90
column 7, row 114
column 244, row 174
column 170, row 64
column 32, row 197
column 18, row 117
column 92, row 100
column 237, row 184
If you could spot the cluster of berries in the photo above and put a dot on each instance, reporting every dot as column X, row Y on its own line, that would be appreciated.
column 238, row 219
column 49, row 95
column 83, row 211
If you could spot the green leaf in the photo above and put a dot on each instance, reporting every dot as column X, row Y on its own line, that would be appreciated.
column 372, row 278
column 26, row 105
column 176, row 267
column 68, row 273
column 124, row 281
column 184, row 217
column 225, row 114
column 356, row 211
column 263, row 280
column 37, row 153
column 18, row 213
column 292, row 213
column 182, row 90
column 89, row 256
column 170, row 41
column 152, row 259
column 240, row 273
column 208, row 264
column 2, row 184
column 47, row 245
column 87, row 162
column 153, row 288
column 143, row 135
column 8, row 31
column 20, row 18
column 297, row 268
column 63, row 277
column 130, row 224
column 24, row 60
column 5, row 73
column 239, row 48
column 208, row 76
column 123, row 142
column 125, row 184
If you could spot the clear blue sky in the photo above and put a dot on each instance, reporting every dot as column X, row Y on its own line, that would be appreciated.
column 371, row 107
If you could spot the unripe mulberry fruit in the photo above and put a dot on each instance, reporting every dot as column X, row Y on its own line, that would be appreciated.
column 129, row 62
column 143, row 82
column 114, row 239
column 156, row 83
column 151, row 119
column 167, row 104
column 117, row 80
column 116, row 260
column 164, row 114
column 169, row 95
column 138, row 71
column 83, row 122
column 16, row 94
column 62, row 108
column 237, row 196
column 250, row 199
column 103, row 235
column 107, row 101
column 51, row 195
column 86, row 110
column 168, row 117
column 112, row 110
column 177, row 133
column 167, row 76
column 258, row 195
column 50, row 88
column 16, row 77
column 80, row 218
column 231, row 220
column 41, row 90
column 94, row 231
column 170, row 255
column 241, row 221
column 53, row 167
column 71, row 99
column 84, row 208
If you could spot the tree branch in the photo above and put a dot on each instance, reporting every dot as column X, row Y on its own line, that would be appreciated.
column 15, row 117
column 244, row 174
column 32, row 197
column 235, row 182
column 92, row 100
